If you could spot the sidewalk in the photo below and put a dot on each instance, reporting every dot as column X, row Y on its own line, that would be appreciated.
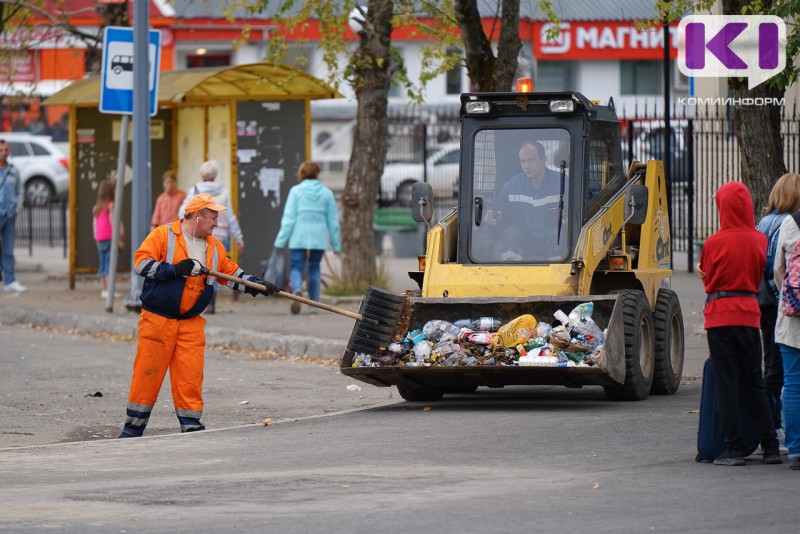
column 252, row 323
column 245, row 323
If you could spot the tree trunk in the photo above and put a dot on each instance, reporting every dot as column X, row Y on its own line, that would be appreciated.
column 758, row 134
column 758, row 129
column 479, row 58
column 370, row 66
column 487, row 73
column 508, row 47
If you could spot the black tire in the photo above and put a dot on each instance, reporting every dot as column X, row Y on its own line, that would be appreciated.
column 403, row 196
column 39, row 191
column 669, row 343
column 421, row 394
column 639, row 348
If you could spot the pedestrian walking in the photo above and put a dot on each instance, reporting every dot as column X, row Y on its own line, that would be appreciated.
column 171, row 330
column 169, row 202
column 11, row 199
column 102, row 228
column 731, row 266
column 228, row 225
column 310, row 224
column 787, row 336
column 784, row 199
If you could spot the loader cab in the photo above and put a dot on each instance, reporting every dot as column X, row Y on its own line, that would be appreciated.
column 534, row 168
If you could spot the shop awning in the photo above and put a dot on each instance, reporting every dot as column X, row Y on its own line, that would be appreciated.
column 255, row 81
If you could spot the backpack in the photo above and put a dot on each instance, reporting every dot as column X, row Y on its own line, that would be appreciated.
column 790, row 293
column 767, row 294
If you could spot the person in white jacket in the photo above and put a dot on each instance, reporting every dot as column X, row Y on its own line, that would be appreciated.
column 787, row 334
column 227, row 225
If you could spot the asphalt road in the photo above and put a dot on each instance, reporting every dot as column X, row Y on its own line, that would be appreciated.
column 335, row 460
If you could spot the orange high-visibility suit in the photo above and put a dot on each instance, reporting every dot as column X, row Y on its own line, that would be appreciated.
column 171, row 330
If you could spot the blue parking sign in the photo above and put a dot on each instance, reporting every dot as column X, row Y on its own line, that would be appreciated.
column 116, row 90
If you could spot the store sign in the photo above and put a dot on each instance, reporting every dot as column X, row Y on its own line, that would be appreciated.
column 19, row 67
column 601, row 41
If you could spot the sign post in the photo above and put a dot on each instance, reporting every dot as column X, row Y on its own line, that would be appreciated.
column 116, row 89
column 116, row 96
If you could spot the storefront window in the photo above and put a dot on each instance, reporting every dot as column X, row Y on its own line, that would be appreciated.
column 640, row 77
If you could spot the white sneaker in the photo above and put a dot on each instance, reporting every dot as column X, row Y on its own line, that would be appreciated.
column 15, row 287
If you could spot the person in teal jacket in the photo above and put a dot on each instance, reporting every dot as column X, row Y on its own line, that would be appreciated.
column 309, row 224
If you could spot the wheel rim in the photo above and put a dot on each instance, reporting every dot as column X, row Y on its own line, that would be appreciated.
column 38, row 194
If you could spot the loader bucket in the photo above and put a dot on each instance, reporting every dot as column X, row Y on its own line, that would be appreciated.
column 608, row 367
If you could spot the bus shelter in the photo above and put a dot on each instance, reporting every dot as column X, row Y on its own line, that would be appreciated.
column 254, row 119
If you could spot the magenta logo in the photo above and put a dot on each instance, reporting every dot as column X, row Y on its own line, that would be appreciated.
column 751, row 46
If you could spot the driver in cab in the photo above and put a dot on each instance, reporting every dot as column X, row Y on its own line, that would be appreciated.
column 526, row 210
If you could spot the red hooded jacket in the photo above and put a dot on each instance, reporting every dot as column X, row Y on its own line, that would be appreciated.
column 733, row 260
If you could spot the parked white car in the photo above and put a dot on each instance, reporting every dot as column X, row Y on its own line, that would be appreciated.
column 442, row 167
column 43, row 167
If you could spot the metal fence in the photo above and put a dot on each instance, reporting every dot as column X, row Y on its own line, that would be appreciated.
column 703, row 154
column 43, row 225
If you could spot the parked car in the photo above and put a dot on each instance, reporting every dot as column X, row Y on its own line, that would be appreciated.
column 442, row 170
column 43, row 167
column 648, row 144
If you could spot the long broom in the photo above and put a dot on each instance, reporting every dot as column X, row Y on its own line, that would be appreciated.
column 379, row 316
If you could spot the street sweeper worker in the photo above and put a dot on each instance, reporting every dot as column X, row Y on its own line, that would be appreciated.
column 171, row 329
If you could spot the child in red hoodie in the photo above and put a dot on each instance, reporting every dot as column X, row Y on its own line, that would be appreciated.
column 730, row 266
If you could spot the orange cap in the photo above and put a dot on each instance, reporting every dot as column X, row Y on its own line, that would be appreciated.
column 202, row 201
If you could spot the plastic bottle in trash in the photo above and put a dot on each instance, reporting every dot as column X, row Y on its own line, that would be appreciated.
column 486, row 324
column 439, row 330
column 581, row 311
column 562, row 317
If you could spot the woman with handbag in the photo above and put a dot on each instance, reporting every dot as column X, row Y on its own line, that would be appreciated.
column 310, row 223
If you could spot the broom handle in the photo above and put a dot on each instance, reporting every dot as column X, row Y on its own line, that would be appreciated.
column 285, row 294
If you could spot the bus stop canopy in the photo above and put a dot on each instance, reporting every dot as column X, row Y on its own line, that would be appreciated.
column 260, row 81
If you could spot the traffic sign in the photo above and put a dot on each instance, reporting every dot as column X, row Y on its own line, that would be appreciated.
column 116, row 89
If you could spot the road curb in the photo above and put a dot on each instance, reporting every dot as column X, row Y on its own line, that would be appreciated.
column 239, row 339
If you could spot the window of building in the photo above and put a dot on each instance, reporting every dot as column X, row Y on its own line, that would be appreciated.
column 213, row 59
column 640, row 77
column 554, row 76
column 453, row 85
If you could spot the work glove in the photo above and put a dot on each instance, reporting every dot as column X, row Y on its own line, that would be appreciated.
column 187, row 267
column 270, row 287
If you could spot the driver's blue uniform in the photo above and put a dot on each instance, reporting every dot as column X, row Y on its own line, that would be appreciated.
column 528, row 213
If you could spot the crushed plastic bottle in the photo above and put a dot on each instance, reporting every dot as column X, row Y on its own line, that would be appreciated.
column 447, row 347
column 439, row 330
column 589, row 329
column 481, row 338
column 485, row 324
column 542, row 329
column 581, row 311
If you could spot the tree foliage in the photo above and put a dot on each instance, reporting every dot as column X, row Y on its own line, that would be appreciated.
column 368, row 68
column 758, row 127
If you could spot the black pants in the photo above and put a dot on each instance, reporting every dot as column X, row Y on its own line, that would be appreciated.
column 736, row 360
column 773, row 364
